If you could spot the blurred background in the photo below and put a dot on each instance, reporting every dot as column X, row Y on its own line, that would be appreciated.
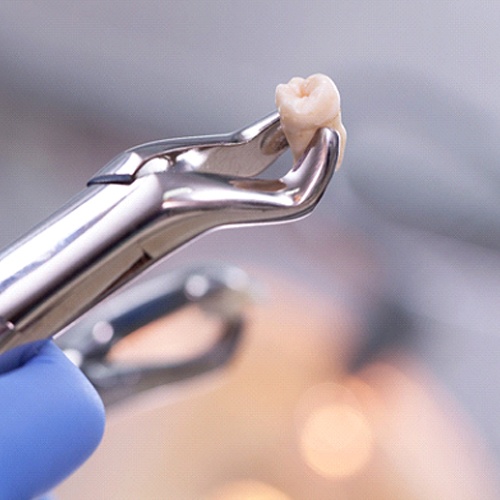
column 370, row 370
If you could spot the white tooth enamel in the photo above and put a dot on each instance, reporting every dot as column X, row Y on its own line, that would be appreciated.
column 306, row 105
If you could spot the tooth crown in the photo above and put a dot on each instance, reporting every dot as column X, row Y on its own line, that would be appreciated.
column 306, row 105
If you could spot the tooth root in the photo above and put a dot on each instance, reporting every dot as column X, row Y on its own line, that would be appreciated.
column 306, row 105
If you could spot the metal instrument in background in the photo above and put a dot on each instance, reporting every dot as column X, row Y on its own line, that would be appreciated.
column 221, row 292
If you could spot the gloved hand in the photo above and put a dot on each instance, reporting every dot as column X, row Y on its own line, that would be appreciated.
column 51, row 420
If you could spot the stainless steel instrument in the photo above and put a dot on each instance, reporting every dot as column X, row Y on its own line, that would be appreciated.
column 221, row 292
column 143, row 205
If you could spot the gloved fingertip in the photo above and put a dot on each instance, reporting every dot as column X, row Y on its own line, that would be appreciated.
column 52, row 420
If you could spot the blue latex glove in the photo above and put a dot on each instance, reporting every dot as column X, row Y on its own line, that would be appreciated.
column 51, row 420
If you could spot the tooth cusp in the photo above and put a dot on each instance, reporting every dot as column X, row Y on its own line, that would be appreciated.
column 306, row 105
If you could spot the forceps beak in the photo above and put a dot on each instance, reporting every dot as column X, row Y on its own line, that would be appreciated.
column 244, row 153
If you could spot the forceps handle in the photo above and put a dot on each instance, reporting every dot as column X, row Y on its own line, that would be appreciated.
column 73, row 260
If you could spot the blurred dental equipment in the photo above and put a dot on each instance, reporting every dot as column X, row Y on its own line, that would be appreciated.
column 219, row 292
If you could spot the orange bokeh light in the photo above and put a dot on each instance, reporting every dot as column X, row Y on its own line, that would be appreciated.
column 335, row 437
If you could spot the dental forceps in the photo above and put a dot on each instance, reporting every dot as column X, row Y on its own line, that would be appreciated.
column 143, row 205
column 219, row 291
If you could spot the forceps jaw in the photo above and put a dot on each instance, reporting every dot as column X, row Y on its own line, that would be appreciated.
column 194, row 203
column 246, row 152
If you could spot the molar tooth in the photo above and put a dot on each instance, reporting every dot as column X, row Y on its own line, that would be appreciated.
column 306, row 105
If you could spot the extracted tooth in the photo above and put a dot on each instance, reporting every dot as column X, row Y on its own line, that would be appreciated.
column 305, row 105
